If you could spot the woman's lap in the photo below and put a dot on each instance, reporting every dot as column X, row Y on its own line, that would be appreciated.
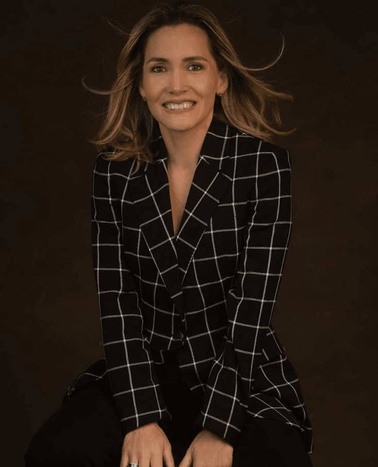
column 85, row 431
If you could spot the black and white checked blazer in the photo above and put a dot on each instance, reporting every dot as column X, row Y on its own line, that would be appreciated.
column 209, row 292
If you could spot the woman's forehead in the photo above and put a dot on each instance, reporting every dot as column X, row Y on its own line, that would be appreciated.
column 183, row 40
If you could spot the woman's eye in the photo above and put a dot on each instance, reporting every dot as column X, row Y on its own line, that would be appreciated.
column 157, row 69
column 195, row 67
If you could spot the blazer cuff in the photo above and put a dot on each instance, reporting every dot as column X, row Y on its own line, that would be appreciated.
column 223, row 416
column 139, row 405
column 228, row 432
column 132, row 423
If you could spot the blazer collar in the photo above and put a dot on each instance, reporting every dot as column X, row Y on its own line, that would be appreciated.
column 150, row 194
column 212, row 147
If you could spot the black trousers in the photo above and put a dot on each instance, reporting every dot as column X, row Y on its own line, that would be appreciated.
column 86, row 431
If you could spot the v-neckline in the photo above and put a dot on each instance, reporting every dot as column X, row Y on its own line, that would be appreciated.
column 182, row 206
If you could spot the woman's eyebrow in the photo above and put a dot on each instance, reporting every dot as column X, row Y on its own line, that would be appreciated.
column 186, row 59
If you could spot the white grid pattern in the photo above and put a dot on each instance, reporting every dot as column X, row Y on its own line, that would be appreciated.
column 209, row 292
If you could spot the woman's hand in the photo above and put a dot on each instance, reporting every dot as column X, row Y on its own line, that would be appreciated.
column 147, row 446
column 208, row 450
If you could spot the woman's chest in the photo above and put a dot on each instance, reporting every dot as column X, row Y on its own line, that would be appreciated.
column 201, row 235
column 180, row 181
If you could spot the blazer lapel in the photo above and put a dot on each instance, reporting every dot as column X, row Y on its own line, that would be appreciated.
column 209, row 184
column 150, row 193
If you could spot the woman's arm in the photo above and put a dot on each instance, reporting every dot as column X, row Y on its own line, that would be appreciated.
column 130, row 367
column 251, row 300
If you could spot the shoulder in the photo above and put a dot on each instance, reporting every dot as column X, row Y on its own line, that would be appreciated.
column 254, row 152
column 105, row 165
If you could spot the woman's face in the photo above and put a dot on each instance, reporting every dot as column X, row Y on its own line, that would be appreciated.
column 180, row 78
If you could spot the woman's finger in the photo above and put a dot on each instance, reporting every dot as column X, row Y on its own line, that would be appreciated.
column 187, row 460
column 144, row 461
column 124, row 460
column 157, row 460
column 168, row 457
column 128, row 459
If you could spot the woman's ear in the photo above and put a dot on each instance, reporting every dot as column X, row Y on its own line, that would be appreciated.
column 223, row 83
column 141, row 92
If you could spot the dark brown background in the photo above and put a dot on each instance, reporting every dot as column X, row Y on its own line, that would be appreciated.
column 325, row 314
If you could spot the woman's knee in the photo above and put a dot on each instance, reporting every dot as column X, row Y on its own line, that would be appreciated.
column 85, row 431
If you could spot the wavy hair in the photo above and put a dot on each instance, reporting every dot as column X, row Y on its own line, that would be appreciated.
column 249, row 104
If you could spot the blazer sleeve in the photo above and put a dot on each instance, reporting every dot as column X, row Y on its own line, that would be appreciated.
column 251, row 299
column 130, row 368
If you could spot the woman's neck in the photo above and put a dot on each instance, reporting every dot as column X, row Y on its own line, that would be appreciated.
column 184, row 146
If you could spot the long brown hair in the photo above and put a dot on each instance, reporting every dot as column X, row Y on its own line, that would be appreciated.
column 248, row 103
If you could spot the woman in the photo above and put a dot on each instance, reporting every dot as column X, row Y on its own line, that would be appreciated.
column 191, row 220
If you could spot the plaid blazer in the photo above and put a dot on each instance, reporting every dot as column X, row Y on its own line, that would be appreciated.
column 208, row 293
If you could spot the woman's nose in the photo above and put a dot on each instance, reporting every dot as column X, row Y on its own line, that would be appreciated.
column 177, row 82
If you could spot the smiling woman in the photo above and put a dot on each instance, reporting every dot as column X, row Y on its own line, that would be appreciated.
column 180, row 80
column 191, row 221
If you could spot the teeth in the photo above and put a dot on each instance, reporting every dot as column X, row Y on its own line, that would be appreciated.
column 184, row 105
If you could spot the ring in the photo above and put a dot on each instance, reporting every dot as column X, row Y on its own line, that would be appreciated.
column 133, row 464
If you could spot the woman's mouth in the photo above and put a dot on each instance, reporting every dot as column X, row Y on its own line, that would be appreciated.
column 179, row 106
